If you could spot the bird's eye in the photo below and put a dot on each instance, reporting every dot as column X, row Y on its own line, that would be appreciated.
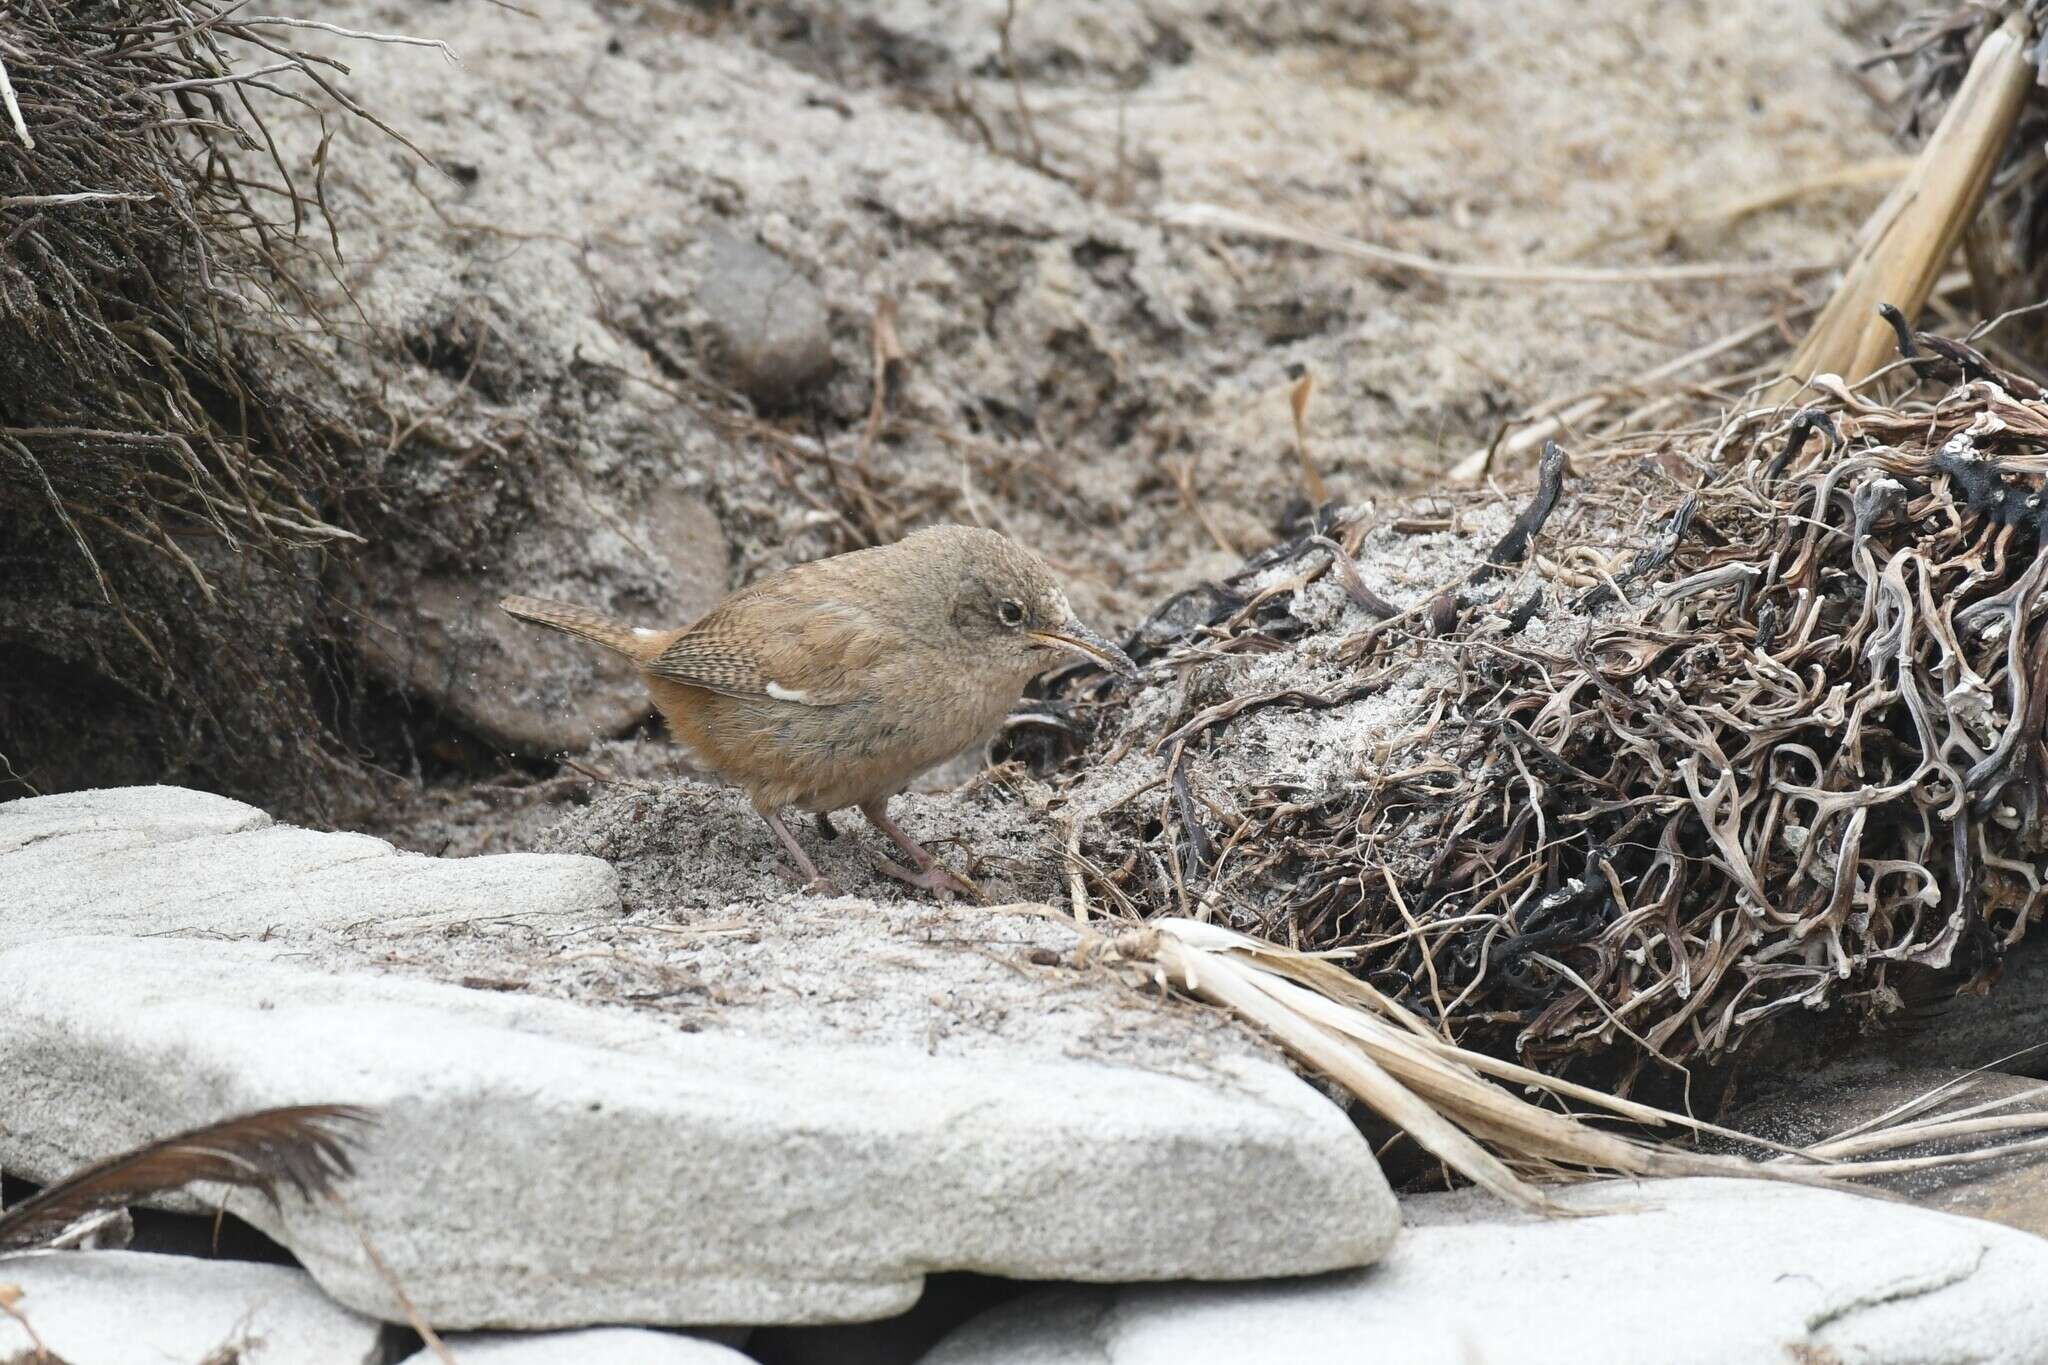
column 1010, row 613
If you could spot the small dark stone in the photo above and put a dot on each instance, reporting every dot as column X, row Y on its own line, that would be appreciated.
column 769, row 328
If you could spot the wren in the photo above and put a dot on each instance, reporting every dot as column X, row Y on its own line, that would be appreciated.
column 836, row 682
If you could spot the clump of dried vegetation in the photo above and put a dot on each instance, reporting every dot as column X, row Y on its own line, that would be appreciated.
column 1793, row 746
column 1767, row 733
column 163, row 507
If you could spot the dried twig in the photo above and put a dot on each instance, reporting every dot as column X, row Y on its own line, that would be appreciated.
column 1474, row 466
column 48, row 201
column 413, row 1316
column 1253, row 225
column 8, row 98
column 1297, row 403
column 888, row 362
column 1025, row 123
column 10, row 1304
column 276, row 21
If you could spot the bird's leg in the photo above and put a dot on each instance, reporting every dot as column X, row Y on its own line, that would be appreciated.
column 925, row 871
column 813, row 879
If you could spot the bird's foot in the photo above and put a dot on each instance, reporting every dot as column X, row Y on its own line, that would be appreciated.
column 925, row 872
column 935, row 877
column 809, row 880
column 804, row 873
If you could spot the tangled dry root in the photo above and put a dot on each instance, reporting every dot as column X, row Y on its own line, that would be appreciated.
column 1793, row 749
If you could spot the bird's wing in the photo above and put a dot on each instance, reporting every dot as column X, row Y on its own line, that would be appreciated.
column 784, row 640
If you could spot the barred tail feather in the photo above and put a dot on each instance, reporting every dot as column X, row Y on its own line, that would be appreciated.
column 578, row 621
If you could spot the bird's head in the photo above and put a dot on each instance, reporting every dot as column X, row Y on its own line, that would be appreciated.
column 1006, row 606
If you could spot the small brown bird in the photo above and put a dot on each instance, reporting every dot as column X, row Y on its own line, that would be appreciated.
column 834, row 683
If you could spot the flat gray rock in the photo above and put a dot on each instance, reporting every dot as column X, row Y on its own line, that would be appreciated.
column 155, row 860
column 788, row 1116
column 597, row 1346
column 1683, row 1272
column 130, row 1308
column 122, row 817
column 541, row 1164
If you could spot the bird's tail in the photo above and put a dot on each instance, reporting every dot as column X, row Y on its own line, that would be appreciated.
column 578, row 621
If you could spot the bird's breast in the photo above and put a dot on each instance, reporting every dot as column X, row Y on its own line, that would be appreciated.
column 786, row 753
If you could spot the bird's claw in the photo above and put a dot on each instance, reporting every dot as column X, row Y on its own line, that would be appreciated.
column 934, row 877
column 816, row 885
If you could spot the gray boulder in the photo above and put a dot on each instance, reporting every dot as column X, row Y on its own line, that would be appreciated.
column 541, row 1164
column 154, row 860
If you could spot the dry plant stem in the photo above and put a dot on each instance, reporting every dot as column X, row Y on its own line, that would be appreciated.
column 10, row 1299
column 1215, row 978
column 1574, row 412
column 1876, row 170
column 1351, row 1006
column 391, row 1281
column 1311, row 477
column 13, row 104
column 1908, row 1111
column 1253, row 225
column 46, row 201
column 83, row 1232
column 1183, row 472
column 1024, row 119
column 887, row 352
column 1436, row 1092
column 276, row 21
column 1912, row 1135
column 1475, row 466
column 1904, row 246
column 1077, row 887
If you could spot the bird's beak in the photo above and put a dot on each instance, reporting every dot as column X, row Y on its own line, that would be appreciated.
column 1076, row 638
